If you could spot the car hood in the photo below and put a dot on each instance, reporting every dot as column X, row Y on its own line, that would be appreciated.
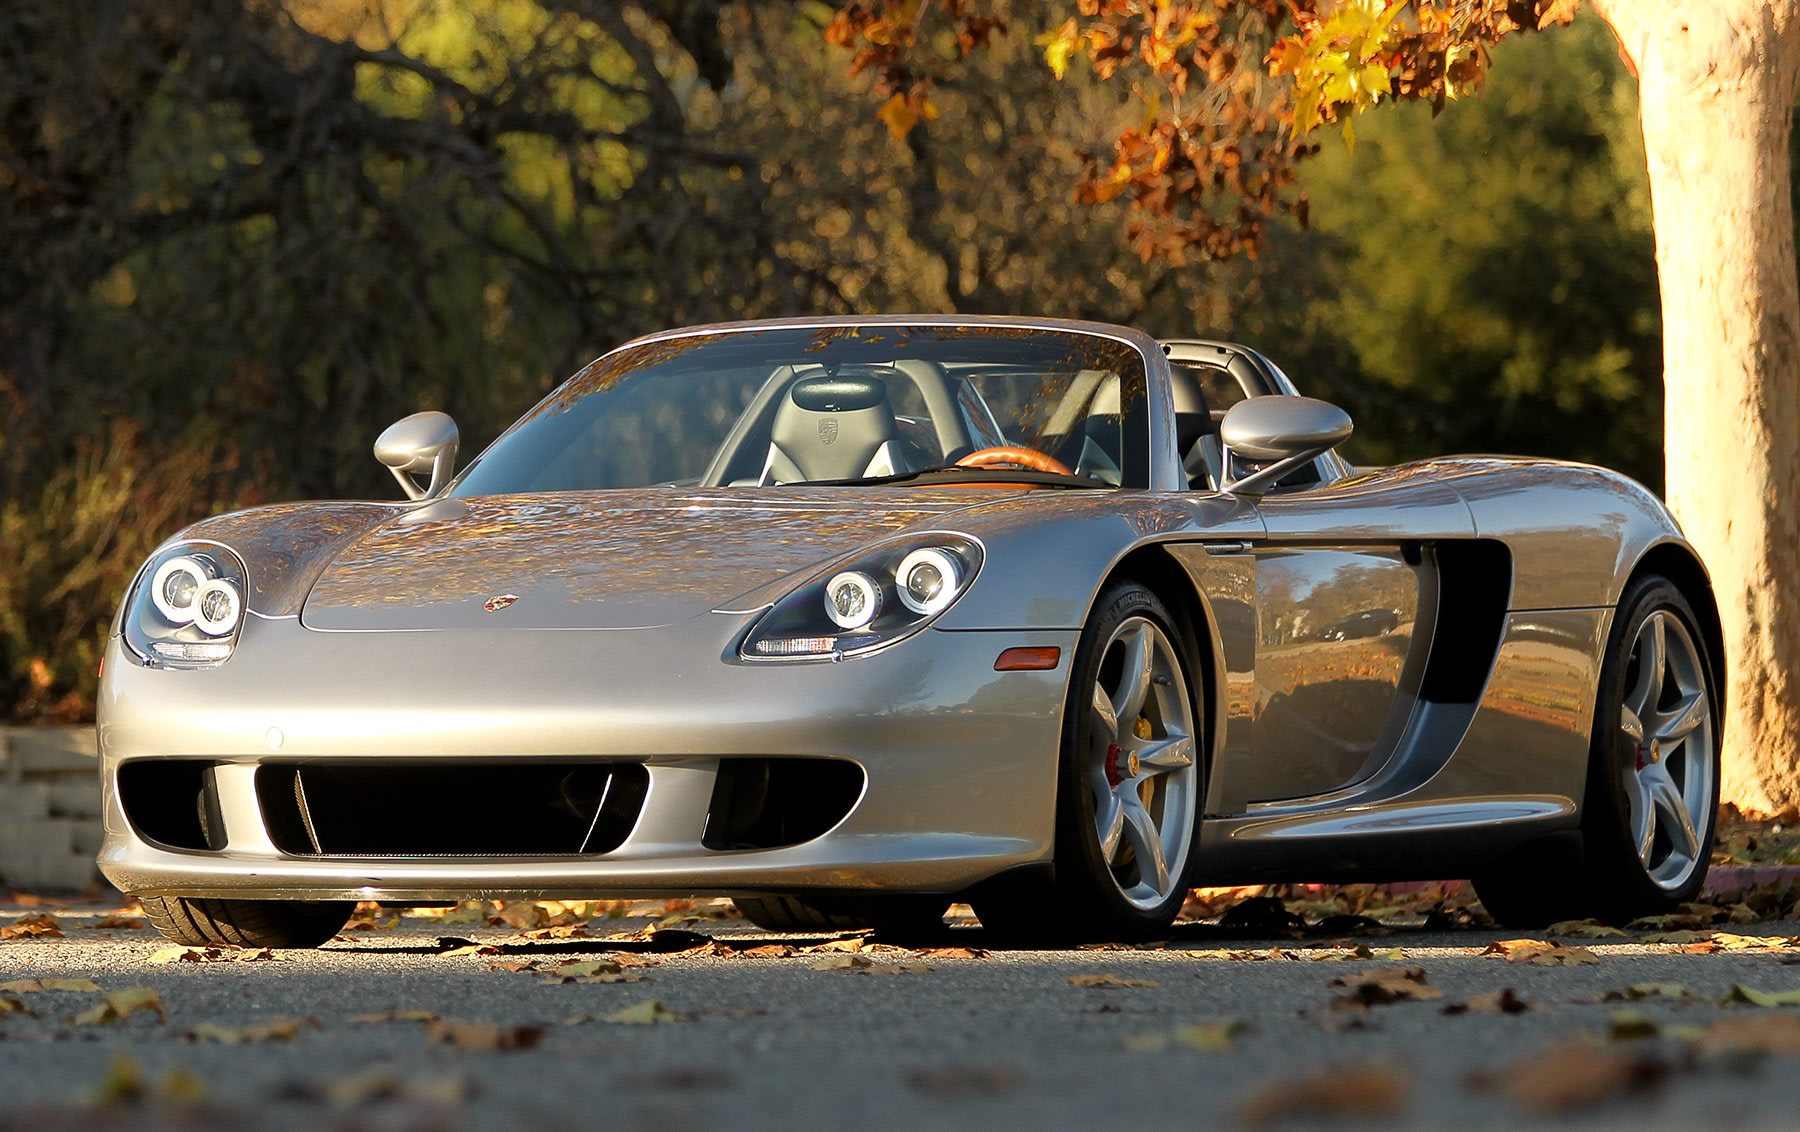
column 600, row 560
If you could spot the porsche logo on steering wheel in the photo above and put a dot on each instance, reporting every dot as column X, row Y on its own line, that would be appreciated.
column 498, row 602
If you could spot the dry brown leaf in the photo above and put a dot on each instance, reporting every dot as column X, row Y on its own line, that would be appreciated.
column 962, row 1081
column 612, row 977
column 1731, row 942
column 1503, row 1001
column 520, row 914
column 115, row 1006
column 953, row 953
column 853, row 944
column 514, row 966
column 1758, row 1033
column 1676, row 937
column 1630, row 1026
column 1543, row 953
column 1573, row 1075
column 1583, row 929
column 384, row 1084
column 843, row 963
column 125, row 1085
column 83, row 986
column 481, row 1035
column 1639, row 991
column 560, row 931
column 211, row 955
column 280, row 1030
column 121, row 920
column 1104, row 980
column 37, row 924
column 1676, row 921
column 1366, row 1090
column 1382, row 986
column 10, row 1005
column 473, row 949
column 1208, row 1036
column 397, row 1016
column 649, row 1012
column 769, row 951
column 24, row 986
column 1741, row 995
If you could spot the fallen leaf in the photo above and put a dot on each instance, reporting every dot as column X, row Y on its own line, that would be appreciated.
column 10, row 1005
column 384, row 1084
column 961, row 1081
column 1646, row 990
column 519, row 914
column 397, row 1016
column 1583, row 929
column 854, row 944
column 1543, row 953
column 280, row 1030
column 613, row 977
column 1739, row 994
column 1676, row 921
column 1760, row 1033
column 211, row 955
column 23, row 986
column 843, row 963
column 34, row 925
column 1108, row 981
column 1345, row 1090
column 1676, row 937
column 1573, row 1075
column 769, row 951
column 560, row 931
column 475, row 914
column 1503, row 1001
column 115, row 1006
column 514, row 966
column 81, row 985
column 1382, row 986
column 953, row 953
column 1209, row 1036
column 646, row 1013
column 481, row 1035
column 473, row 949
column 1732, row 942
column 592, row 967
column 121, row 921
column 1630, row 1026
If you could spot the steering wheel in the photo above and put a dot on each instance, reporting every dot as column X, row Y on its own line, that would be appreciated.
column 1018, row 457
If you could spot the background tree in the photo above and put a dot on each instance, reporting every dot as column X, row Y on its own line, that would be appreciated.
column 1215, row 156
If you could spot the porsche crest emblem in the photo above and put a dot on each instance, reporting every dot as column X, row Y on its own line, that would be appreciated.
column 827, row 430
column 498, row 602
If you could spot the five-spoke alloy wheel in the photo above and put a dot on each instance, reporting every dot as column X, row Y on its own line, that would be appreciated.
column 1131, row 778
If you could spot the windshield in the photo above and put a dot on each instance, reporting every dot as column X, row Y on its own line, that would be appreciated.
column 835, row 404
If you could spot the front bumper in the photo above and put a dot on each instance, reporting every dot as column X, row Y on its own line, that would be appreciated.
column 960, row 760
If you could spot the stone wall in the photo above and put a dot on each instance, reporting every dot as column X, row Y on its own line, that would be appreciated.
column 49, row 808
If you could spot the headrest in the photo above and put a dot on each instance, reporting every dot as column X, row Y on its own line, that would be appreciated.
column 830, row 428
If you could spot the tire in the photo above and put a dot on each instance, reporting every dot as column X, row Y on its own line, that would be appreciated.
column 1652, row 795
column 1127, row 788
column 895, row 917
column 247, row 923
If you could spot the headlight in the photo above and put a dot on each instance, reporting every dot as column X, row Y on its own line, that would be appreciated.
column 871, row 601
column 187, row 607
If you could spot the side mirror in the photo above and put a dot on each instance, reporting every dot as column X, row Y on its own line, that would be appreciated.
column 1287, row 430
column 423, row 442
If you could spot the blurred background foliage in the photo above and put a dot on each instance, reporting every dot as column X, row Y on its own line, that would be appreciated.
column 241, row 236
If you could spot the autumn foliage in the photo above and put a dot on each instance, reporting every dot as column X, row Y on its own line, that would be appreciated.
column 1231, row 90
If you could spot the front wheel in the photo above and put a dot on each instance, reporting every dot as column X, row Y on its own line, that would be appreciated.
column 247, row 923
column 1653, row 776
column 1128, row 792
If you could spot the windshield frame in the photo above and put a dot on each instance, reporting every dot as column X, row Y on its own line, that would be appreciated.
column 1147, row 421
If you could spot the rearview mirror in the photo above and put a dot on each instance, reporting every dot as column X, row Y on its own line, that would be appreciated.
column 1288, row 430
column 423, row 442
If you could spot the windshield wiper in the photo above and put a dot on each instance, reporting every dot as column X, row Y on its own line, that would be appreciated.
column 960, row 474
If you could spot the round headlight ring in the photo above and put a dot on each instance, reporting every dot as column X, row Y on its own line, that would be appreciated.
column 928, row 579
column 179, row 578
column 852, row 599
column 217, row 608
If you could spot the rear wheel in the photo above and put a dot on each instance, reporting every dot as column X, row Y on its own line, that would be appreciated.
column 898, row 916
column 247, row 923
column 1653, row 776
column 1128, row 795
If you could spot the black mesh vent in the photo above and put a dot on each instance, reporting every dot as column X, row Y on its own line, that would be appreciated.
column 450, row 809
column 765, row 803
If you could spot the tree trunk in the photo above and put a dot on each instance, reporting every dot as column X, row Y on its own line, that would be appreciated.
column 1717, row 81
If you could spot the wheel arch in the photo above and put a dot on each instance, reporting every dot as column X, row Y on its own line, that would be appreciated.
column 1677, row 562
column 1152, row 567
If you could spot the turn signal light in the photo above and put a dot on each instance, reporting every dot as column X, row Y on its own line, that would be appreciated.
column 1028, row 659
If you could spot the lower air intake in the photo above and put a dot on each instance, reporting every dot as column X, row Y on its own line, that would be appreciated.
column 450, row 809
column 768, row 803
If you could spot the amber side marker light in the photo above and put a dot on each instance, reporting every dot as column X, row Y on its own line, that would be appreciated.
column 1028, row 660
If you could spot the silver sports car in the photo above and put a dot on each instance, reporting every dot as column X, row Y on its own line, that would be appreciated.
column 849, row 619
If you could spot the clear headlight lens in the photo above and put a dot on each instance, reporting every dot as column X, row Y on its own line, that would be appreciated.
column 187, row 607
column 864, row 604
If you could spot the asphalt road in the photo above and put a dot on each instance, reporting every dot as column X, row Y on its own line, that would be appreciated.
column 915, row 1039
